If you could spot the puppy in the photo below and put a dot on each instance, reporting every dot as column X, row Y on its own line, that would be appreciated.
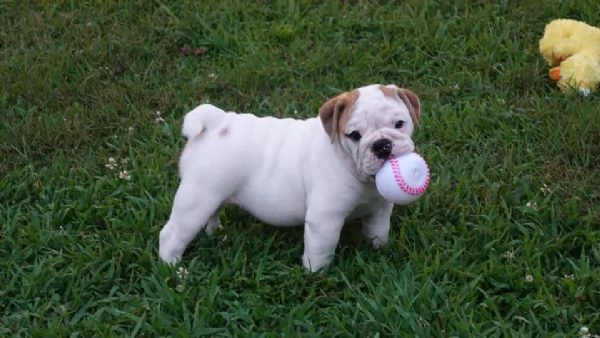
column 317, row 172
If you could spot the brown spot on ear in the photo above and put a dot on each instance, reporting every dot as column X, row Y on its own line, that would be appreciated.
column 336, row 112
column 388, row 92
column 410, row 99
column 224, row 132
column 413, row 103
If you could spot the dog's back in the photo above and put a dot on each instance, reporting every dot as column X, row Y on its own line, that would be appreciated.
column 240, row 154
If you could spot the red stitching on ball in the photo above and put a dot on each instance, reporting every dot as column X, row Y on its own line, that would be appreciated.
column 414, row 191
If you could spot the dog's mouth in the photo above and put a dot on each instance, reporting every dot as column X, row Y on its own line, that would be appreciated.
column 369, row 163
column 373, row 170
column 379, row 166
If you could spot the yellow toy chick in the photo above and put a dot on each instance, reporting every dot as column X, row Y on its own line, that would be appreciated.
column 572, row 48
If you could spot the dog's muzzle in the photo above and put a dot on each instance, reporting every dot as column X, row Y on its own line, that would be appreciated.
column 382, row 148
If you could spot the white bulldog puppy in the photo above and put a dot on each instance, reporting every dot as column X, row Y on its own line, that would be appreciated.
column 317, row 172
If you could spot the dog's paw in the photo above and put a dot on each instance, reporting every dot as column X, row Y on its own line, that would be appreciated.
column 316, row 264
column 169, row 259
column 379, row 242
column 169, row 249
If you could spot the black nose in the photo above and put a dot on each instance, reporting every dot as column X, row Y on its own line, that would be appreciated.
column 382, row 148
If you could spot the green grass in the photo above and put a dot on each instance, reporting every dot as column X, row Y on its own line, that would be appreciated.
column 82, row 82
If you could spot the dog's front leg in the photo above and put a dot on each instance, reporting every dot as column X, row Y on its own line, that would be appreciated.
column 321, row 236
column 376, row 225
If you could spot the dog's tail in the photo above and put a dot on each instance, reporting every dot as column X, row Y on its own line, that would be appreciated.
column 203, row 117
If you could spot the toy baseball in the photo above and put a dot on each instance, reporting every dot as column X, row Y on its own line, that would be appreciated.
column 403, row 179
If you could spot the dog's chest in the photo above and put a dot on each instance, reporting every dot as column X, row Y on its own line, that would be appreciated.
column 366, row 203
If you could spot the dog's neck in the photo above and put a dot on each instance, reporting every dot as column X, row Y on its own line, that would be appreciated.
column 350, row 166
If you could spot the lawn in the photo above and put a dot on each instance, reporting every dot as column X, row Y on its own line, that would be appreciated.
column 505, row 243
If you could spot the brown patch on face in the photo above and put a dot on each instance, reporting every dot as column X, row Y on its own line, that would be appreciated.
column 224, row 132
column 336, row 112
column 410, row 99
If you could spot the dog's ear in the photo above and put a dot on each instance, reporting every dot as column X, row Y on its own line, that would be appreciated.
column 329, row 113
column 335, row 113
column 411, row 100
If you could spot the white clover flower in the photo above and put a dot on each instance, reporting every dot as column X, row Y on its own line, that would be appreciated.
column 510, row 254
column 532, row 205
column 124, row 175
column 112, row 164
column 158, row 118
column 182, row 272
column 529, row 278
column 545, row 189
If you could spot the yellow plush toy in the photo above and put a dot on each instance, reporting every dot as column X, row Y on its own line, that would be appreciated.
column 572, row 48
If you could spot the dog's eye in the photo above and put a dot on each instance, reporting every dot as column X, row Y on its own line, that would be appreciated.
column 399, row 124
column 354, row 136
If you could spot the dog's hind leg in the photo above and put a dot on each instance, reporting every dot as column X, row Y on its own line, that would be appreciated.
column 193, row 209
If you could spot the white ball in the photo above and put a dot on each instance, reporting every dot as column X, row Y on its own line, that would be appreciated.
column 403, row 179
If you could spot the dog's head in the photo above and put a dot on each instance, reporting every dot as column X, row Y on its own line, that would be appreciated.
column 372, row 123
